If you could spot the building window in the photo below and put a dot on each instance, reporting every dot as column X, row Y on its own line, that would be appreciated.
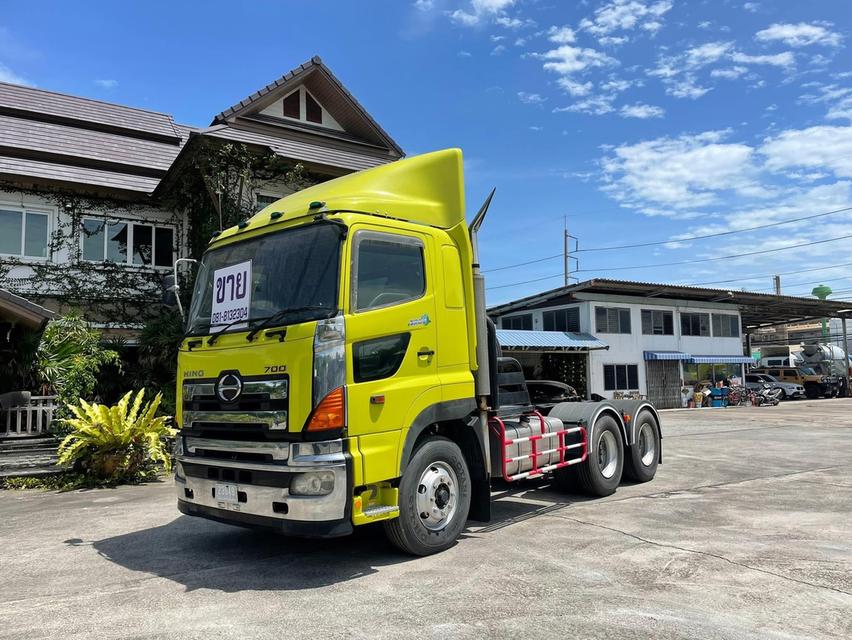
column 523, row 322
column 389, row 270
column 561, row 319
column 612, row 320
column 726, row 325
column 293, row 105
column 621, row 377
column 313, row 110
column 657, row 323
column 263, row 200
column 103, row 241
column 695, row 324
column 24, row 233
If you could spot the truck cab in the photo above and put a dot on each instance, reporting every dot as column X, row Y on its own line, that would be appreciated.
column 338, row 369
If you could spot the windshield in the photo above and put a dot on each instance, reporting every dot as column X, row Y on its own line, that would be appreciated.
column 252, row 280
column 807, row 371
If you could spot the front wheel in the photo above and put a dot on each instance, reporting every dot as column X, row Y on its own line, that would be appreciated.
column 600, row 474
column 434, row 499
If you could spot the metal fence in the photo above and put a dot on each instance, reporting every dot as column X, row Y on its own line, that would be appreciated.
column 32, row 418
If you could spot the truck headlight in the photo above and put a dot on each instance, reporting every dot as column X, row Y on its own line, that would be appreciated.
column 314, row 483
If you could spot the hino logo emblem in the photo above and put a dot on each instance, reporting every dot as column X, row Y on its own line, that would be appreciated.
column 229, row 387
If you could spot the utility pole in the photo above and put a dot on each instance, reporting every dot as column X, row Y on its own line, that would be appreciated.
column 566, row 251
column 777, row 282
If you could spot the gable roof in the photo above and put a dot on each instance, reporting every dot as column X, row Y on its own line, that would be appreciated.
column 330, row 92
column 48, row 137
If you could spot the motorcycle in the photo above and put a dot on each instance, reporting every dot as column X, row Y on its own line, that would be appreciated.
column 767, row 396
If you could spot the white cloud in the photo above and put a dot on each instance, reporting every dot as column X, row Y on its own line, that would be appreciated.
column 514, row 23
column 424, row 5
column 730, row 73
column 536, row 128
column 612, row 41
column 705, row 24
column 623, row 15
column 107, row 84
column 464, row 54
column 568, row 59
column 706, row 53
column 575, row 88
column 685, row 87
column 7, row 75
column 496, row 38
column 753, row 7
column 642, row 111
column 561, row 35
column 498, row 50
column 799, row 35
column 820, row 147
column 530, row 98
column 617, row 85
column 681, row 173
column 785, row 59
column 594, row 105
column 480, row 10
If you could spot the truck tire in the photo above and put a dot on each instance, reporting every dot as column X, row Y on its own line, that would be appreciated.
column 644, row 455
column 600, row 474
column 434, row 499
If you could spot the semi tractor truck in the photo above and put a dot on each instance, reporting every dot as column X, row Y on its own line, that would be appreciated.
column 339, row 369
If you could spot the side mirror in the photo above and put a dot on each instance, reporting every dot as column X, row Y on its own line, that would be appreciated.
column 169, row 285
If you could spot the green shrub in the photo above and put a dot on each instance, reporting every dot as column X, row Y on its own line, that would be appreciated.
column 122, row 443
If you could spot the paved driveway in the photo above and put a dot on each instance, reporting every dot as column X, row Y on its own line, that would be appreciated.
column 745, row 533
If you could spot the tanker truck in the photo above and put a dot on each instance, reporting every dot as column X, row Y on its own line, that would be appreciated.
column 829, row 360
column 339, row 369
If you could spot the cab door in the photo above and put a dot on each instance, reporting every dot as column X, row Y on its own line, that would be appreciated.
column 391, row 339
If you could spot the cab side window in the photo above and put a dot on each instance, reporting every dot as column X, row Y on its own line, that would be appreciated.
column 388, row 269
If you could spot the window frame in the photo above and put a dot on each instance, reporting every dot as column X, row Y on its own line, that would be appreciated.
column 130, row 232
column 619, row 311
column 570, row 313
column 663, row 313
column 383, row 236
column 518, row 316
column 626, row 366
column 35, row 210
column 264, row 194
column 733, row 320
column 709, row 333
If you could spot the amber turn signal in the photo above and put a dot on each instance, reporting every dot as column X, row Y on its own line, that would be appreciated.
column 330, row 412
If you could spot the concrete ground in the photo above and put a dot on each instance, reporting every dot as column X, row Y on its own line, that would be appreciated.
column 745, row 533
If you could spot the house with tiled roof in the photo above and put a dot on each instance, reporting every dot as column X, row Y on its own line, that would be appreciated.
column 97, row 200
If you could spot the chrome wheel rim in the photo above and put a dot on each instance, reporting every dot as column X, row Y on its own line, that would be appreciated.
column 437, row 496
column 647, row 444
column 607, row 454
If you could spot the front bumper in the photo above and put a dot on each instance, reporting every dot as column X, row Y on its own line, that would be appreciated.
column 264, row 486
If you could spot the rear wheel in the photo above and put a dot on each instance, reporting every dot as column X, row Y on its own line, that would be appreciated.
column 600, row 474
column 434, row 499
column 644, row 455
column 782, row 395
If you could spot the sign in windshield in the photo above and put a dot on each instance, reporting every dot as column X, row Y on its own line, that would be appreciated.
column 245, row 282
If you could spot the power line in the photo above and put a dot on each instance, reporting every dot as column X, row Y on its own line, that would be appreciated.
column 516, row 284
column 660, row 242
column 729, row 257
column 768, row 275
column 717, row 234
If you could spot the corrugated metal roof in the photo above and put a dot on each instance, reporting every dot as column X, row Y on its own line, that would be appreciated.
column 737, row 359
column 549, row 340
column 300, row 150
column 85, row 110
column 666, row 355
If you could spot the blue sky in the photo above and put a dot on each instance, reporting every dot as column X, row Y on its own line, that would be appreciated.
column 639, row 120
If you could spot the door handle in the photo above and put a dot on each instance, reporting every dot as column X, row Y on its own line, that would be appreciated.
column 426, row 353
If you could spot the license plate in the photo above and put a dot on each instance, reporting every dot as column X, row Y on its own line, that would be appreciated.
column 226, row 493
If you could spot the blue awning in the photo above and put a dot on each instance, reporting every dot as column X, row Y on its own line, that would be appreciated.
column 722, row 360
column 548, row 340
column 666, row 355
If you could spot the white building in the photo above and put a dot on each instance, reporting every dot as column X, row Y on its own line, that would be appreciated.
column 657, row 340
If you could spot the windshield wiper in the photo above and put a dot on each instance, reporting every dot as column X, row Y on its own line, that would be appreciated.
column 278, row 315
column 215, row 336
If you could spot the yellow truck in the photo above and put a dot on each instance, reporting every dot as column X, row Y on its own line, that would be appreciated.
column 339, row 369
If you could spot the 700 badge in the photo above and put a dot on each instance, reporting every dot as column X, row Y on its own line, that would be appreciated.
column 231, row 294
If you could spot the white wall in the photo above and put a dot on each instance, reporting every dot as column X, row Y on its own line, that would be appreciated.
column 630, row 348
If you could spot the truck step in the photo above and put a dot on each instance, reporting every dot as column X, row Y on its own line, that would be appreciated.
column 380, row 511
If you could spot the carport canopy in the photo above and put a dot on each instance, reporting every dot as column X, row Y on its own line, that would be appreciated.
column 548, row 340
column 756, row 309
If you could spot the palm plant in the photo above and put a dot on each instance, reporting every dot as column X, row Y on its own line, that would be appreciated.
column 117, row 443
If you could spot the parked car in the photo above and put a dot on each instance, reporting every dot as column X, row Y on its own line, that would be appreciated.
column 545, row 394
column 755, row 382
column 815, row 384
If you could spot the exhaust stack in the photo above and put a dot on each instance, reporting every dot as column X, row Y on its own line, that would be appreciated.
column 481, row 376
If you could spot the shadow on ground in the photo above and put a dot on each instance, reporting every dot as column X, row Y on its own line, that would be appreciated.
column 201, row 554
